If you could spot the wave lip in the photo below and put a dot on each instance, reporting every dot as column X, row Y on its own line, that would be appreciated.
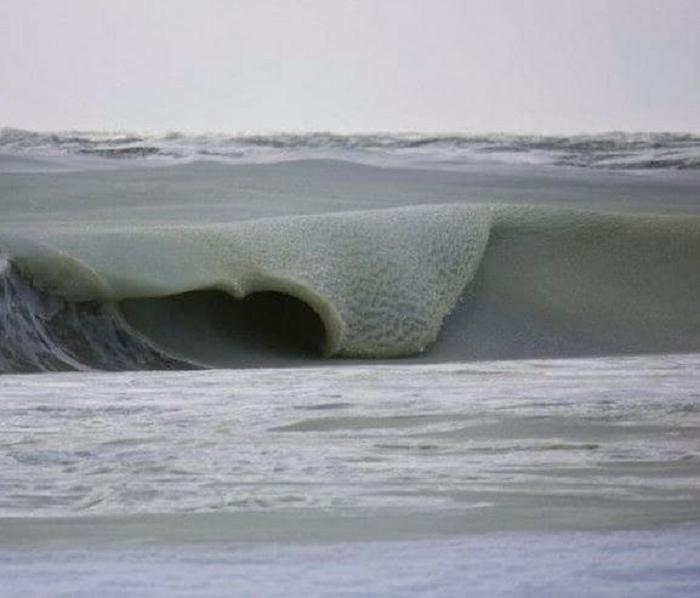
column 368, row 284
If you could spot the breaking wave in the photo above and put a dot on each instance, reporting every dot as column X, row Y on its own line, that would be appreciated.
column 43, row 332
column 444, row 282
column 629, row 151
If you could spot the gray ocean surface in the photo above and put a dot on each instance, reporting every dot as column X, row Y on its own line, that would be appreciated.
column 490, row 385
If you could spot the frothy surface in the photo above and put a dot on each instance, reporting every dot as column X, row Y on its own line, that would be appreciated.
column 499, row 445
column 614, row 151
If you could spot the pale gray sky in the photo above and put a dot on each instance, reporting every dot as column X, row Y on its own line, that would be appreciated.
column 352, row 65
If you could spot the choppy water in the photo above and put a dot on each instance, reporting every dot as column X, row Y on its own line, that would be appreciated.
column 613, row 150
column 494, row 479
column 563, row 442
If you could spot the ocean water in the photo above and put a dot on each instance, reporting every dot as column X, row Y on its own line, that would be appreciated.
column 615, row 150
column 349, row 365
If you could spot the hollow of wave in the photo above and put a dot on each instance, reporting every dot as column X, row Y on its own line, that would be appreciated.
column 443, row 282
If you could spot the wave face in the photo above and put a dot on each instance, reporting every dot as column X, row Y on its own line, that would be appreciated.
column 374, row 284
column 618, row 151
column 446, row 282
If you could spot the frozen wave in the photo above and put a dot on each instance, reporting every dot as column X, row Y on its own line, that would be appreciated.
column 483, row 281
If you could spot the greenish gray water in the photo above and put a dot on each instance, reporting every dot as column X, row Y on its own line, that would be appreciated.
column 553, row 444
column 386, row 262
column 456, row 464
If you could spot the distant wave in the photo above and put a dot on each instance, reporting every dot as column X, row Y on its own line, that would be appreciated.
column 449, row 282
column 615, row 150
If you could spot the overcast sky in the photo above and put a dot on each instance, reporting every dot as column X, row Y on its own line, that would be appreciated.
column 351, row 65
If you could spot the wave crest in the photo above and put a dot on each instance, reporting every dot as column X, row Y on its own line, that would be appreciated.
column 507, row 281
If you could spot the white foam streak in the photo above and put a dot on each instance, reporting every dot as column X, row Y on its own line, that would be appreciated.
column 454, row 151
